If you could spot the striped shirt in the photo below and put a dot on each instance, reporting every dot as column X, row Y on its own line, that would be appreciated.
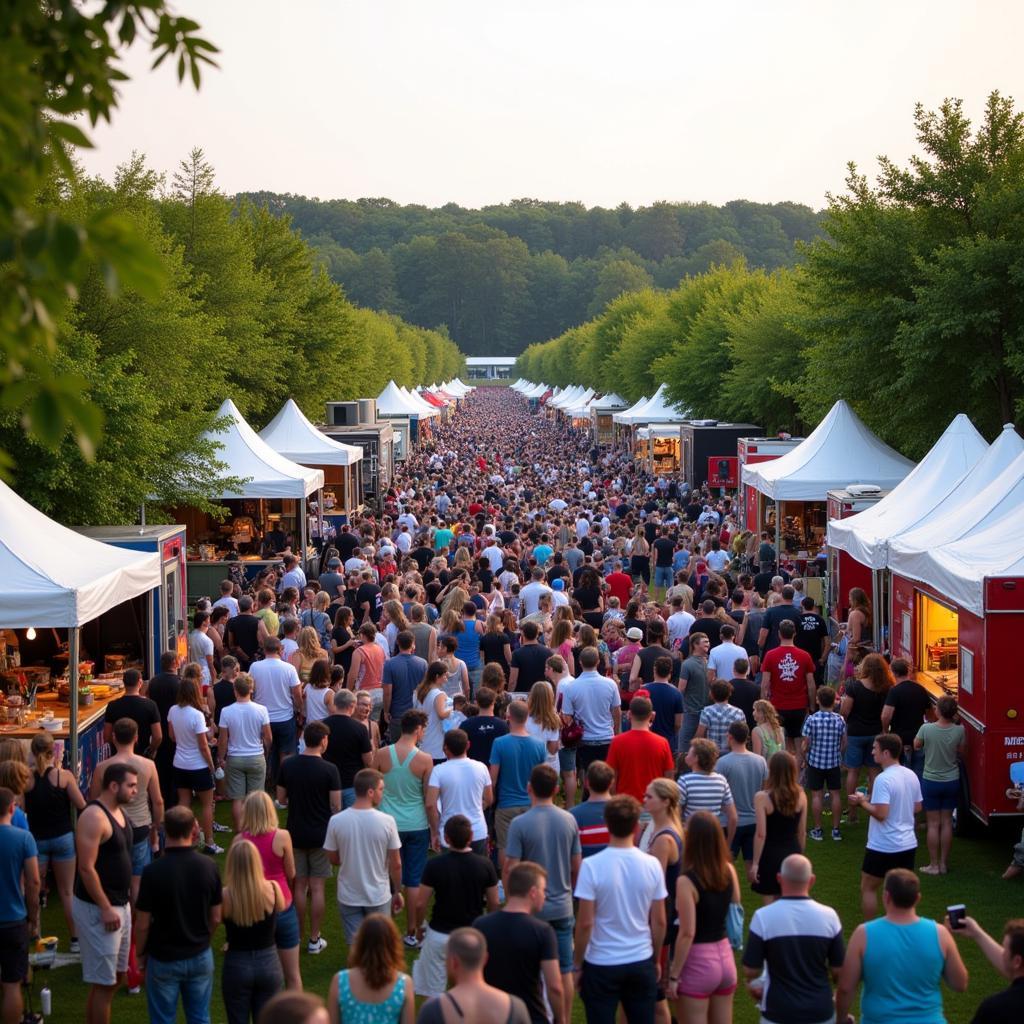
column 825, row 730
column 700, row 792
column 590, row 824
column 716, row 719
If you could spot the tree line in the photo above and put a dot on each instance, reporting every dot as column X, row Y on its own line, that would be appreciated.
column 504, row 276
column 246, row 311
column 910, row 305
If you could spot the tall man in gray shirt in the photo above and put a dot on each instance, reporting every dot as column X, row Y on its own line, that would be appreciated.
column 693, row 684
column 547, row 835
column 746, row 774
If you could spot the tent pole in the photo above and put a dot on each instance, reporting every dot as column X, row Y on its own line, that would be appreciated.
column 73, row 653
column 778, row 536
column 301, row 504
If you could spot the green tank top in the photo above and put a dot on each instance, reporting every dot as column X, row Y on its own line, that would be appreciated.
column 403, row 795
column 769, row 745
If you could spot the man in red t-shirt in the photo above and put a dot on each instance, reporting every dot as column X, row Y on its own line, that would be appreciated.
column 620, row 585
column 787, row 680
column 639, row 755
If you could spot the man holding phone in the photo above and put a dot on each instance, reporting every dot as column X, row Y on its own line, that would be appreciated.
column 1007, row 958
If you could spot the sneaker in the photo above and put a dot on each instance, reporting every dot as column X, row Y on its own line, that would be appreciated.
column 280, row 806
column 135, row 990
column 837, row 836
column 317, row 945
column 75, row 947
column 218, row 827
column 411, row 941
column 816, row 835
column 212, row 849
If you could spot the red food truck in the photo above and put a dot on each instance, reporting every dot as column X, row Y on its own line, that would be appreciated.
column 758, row 449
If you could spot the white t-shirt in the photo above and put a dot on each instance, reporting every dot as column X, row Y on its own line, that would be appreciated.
column 592, row 698
column 900, row 788
column 679, row 624
column 559, row 599
column 274, row 680
column 461, row 783
column 227, row 602
column 288, row 648
column 530, row 596
column 623, row 883
column 546, row 736
column 189, row 724
column 495, row 557
column 200, row 647
column 723, row 657
column 717, row 560
column 315, row 701
column 244, row 721
column 362, row 839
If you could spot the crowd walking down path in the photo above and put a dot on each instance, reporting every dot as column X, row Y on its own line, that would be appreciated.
column 499, row 761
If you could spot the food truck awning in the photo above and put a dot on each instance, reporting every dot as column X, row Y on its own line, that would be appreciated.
column 266, row 473
column 932, row 481
column 51, row 576
column 290, row 434
column 994, row 548
column 841, row 450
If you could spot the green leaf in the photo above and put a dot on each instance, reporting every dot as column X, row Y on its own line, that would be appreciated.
column 70, row 133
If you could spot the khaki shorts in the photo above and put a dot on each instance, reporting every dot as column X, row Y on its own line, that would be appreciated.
column 503, row 818
column 244, row 775
column 104, row 954
column 312, row 864
column 429, row 975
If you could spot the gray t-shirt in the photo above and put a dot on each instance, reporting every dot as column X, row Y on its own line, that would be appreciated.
column 694, row 672
column 746, row 774
column 548, row 836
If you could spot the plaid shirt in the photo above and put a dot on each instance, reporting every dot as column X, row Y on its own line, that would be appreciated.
column 825, row 729
column 717, row 718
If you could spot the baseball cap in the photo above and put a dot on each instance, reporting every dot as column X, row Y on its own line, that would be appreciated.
column 634, row 633
column 558, row 584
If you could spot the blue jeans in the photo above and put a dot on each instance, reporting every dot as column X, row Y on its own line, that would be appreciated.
column 663, row 576
column 348, row 798
column 691, row 719
column 284, row 741
column 192, row 979
column 248, row 980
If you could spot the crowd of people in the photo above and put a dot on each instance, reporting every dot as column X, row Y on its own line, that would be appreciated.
column 538, row 707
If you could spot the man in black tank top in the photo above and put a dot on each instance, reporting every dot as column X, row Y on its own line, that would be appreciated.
column 100, row 907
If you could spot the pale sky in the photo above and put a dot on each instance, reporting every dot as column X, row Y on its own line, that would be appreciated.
column 435, row 101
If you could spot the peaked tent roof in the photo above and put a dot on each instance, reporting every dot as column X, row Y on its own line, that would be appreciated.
column 841, row 450
column 51, row 576
column 659, row 410
column 290, row 434
column 391, row 402
column 435, row 400
column 466, row 388
column 566, row 397
column 605, row 402
column 866, row 535
column 423, row 407
column 626, row 414
column 266, row 473
column 981, row 502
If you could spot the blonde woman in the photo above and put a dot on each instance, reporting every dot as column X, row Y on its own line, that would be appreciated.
column 663, row 839
column 395, row 621
column 308, row 652
column 562, row 635
column 318, row 618
column 431, row 699
column 250, row 903
column 544, row 722
column 50, row 794
column 463, row 559
column 768, row 736
column 274, row 844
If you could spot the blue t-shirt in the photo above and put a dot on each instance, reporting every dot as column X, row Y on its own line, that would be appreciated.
column 17, row 845
column 403, row 673
column 667, row 702
column 18, row 819
column 542, row 552
column 516, row 757
column 590, row 822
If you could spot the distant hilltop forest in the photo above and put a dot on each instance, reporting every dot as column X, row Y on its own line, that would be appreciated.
column 503, row 277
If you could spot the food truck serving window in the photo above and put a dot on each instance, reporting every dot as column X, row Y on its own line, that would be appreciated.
column 938, row 647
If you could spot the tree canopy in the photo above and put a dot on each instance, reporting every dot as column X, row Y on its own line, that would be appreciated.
column 910, row 305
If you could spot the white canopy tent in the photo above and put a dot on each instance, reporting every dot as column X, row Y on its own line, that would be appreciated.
column 626, row 416
column 391, row 402
column 841, row 450
column 265, row 473
column 292, row 435
column 466, row 388
column 53, row 577
column 608, row 402
column 538, row 392
column 566, row 397
column 660, row 410
column 933, row 480
column 424, row 409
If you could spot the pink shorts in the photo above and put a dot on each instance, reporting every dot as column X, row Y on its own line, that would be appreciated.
column 710, row 970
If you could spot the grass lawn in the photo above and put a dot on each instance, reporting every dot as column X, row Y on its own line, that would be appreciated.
column 973, row 880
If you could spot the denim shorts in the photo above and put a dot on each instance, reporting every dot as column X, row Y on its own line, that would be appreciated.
column 940, row 796
column 563, row 927
column 56, row 849
column 142, row 854
column 858, row 752
column 415, row 846
column 567, row 759
column 286, row 931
